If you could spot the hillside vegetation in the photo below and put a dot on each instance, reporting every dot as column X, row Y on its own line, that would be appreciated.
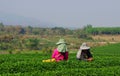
column 18, row 38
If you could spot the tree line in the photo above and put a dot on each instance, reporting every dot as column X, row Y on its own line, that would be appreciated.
column 22, row 38
column 102, row 30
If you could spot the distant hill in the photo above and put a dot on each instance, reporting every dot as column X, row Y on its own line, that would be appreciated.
column 12, row 19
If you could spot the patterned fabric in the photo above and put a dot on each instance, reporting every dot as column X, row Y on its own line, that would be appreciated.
column 62, row 48
column 61, row 41
column 61, row 45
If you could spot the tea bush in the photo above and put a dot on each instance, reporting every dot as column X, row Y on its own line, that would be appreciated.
column 106, row 63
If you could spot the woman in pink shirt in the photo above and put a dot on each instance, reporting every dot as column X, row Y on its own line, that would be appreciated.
column 60, row 53
column 58, row 56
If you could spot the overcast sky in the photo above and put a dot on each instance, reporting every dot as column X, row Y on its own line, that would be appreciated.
column 66, row 13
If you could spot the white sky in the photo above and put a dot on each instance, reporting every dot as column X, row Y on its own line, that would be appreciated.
column 66, row 13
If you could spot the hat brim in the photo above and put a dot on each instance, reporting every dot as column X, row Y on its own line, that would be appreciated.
column 84, row 48
column 60, row 43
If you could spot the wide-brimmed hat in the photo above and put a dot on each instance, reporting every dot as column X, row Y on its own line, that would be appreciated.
column 61, row 41
column 84, row 46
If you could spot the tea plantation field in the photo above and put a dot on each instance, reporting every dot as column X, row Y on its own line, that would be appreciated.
column 106, row 63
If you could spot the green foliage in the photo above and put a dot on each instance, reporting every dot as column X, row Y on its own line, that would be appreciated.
column 32, row 43
column 5, row 46
column 103, row 30
column 88, row 26
column 106, row 63
column 29, row 30
column 10, row 51
column 1, row 25
column 22, row 31
column 84, row 35
column 46, row 50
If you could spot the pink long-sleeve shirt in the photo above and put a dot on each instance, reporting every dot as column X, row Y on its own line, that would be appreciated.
column 59, row 56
